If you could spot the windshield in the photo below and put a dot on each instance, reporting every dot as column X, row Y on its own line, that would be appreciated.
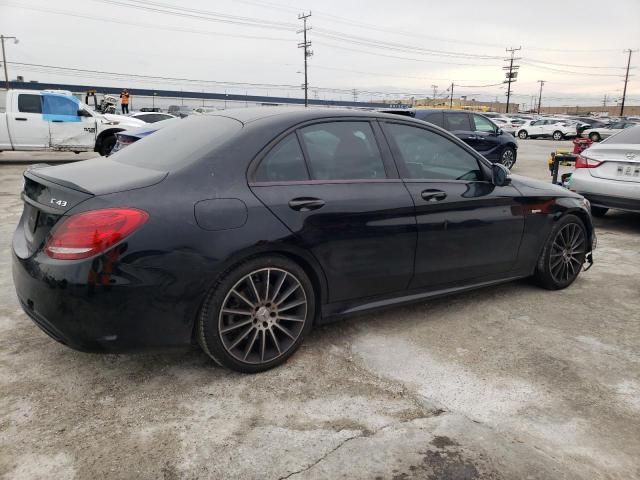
column 628, row 136
column 178, row 145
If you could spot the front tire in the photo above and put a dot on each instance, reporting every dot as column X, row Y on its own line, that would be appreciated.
column 564, row 254
column 107, row 145
column 508, row 157
column 257, row 314
column 557, row 135
column 522, row 134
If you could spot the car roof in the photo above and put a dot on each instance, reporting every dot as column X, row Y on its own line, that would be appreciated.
column 296, row 114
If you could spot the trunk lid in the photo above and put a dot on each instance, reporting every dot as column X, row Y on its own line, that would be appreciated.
column 619, row 162
column 50, row 192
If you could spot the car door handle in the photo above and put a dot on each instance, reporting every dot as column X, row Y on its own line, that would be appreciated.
column 21, row 119
column 472, row 137
column 433, row 195
column 305, row 204
column 56, row 121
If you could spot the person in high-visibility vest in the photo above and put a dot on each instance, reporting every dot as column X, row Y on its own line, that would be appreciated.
column 124, row 101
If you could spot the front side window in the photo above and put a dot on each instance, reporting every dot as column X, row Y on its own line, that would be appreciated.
column 428, row 155
column 342, row 151
column 28, row 103
column 483, row 124
column 60, row 107
column 458, row 121
column 284, row 163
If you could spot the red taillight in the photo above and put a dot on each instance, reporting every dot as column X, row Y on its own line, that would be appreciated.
column 89, row 233
column 584, row 162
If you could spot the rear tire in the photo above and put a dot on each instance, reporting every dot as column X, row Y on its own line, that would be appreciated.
column 563, row 255
column 557, row 135
column 522, row 134
column 257, row 314
column 599, row 211
column 594, row 136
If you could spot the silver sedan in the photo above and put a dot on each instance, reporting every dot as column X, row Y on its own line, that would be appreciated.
column 608, row 174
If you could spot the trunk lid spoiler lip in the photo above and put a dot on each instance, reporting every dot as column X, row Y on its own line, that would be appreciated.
column 39, row 177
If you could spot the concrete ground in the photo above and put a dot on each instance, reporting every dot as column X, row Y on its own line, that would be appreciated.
column 509, row 382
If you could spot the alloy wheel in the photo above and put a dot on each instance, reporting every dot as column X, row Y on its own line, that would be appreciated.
column 263, row 315
column 508, row 158
column 567, row 253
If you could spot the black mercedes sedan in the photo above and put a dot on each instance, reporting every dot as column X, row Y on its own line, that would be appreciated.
column 240, row 231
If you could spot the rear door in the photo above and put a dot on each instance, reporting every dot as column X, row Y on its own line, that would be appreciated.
column 460, row 125
column 468, row 229
column 67, row 129
column 27, row 127
column 343, row 201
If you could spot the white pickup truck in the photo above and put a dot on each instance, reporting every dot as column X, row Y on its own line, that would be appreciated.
column 56, row 121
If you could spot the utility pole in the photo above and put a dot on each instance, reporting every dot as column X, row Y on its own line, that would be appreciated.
column 307, row 53
column 435, row 92
column 451, row 97
column 355, row 95
column 4, row 57
column 605, row 100
column 541, row 82
column 512, row 73
column 626, row 80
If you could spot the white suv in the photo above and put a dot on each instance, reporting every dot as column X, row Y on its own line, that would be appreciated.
column 556, row 128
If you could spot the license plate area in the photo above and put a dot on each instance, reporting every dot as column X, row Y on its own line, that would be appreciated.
column 628, row 171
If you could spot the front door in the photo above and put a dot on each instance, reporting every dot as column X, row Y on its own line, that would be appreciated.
column 468, row 229
column 67, row 129
column 342, row 200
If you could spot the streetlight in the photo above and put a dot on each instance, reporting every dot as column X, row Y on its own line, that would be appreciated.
column 4, row 57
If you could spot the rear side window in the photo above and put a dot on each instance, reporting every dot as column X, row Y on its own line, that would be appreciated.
column 626, row 136
column 342, row 151
column 431, row 117
column 28, row 103
column 284, row 163
column 458, row 121
column 428, row 155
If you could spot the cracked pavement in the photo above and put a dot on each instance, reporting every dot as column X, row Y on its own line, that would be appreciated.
column 508, row 382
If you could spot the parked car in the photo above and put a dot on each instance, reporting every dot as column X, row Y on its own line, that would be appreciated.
column 241, row 231
column 608, row 173
column 44, row 120
column 205, row 110
column 597, row 134
column 589, row 122
column 180, row 110
column 507, row 125
column 547, row 127
column 127, row 137
column 152, row 117
column 472, row 128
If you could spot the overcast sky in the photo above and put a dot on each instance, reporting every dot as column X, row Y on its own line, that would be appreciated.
column 377, row 47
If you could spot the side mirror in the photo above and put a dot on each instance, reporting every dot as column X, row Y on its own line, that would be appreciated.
column 499, row 131
column 83, row 113
column 500, row 175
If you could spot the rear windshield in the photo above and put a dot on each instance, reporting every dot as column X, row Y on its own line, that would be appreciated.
column 176, row 146
column 626, row 136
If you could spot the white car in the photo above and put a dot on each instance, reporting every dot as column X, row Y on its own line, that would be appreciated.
column 152, row 117
column 608, row 174
column 54, row 120
column 506, row 125
column 597, row 134
column 556, row 128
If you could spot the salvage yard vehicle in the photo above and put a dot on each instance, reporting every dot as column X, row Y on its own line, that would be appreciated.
column 152, row 117
column 127, row 137
column 32, row 120
column 241, row 231
column 597, row 134
column 556, row 128
column 608, row 174
column 474, row 129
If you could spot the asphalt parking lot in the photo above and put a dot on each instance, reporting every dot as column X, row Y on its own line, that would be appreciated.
column 508, row 382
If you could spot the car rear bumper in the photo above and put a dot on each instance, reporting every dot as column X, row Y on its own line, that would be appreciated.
column 602, row 192
column 100, row 311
